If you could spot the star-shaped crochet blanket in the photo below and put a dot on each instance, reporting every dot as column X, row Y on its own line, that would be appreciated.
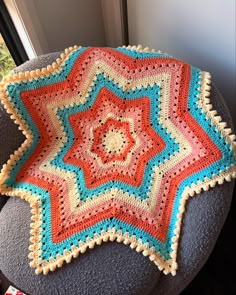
column 116, row 142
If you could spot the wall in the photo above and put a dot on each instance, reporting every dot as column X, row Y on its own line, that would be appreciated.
column 70, row 22
column 200, row 32
column 54, row 25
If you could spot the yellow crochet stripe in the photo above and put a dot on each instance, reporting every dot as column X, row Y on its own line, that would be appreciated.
column 169, row 266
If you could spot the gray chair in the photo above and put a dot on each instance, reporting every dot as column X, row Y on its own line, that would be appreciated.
column 112, row 268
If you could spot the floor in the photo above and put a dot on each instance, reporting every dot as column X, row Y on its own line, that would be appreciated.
column 4, row 284
column 218, row 275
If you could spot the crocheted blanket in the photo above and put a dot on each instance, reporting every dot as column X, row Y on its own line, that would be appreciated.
column 116, row 140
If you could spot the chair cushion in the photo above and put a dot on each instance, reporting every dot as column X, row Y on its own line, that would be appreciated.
column 112, row 268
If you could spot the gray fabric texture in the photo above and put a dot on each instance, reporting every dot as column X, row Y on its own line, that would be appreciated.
column 112, row 268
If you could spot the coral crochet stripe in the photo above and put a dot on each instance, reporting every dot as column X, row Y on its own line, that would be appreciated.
column 116, row 140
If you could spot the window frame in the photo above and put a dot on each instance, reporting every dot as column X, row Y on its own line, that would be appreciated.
column 11, row 37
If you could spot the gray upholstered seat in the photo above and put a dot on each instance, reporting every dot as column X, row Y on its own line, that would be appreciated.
column 111, row 268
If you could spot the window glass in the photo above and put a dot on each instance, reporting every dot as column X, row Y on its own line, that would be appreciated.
column 6, row 61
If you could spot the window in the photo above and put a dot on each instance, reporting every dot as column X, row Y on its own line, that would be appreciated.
column 12, row 52
column 6, row 61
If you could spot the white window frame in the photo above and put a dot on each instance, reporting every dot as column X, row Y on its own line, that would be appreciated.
column 25, row 28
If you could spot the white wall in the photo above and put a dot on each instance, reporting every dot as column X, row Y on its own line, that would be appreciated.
column 200, row 32
column 70, row 22
column 53, row 25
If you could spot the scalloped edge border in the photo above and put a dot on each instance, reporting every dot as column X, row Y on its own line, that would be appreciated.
column 167, row 266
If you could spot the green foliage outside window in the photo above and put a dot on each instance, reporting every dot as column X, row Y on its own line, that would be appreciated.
column 6, row 61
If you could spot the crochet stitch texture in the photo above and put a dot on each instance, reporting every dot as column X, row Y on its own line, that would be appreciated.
column 116, row 142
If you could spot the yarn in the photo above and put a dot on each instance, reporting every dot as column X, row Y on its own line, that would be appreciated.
column 116, row 141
